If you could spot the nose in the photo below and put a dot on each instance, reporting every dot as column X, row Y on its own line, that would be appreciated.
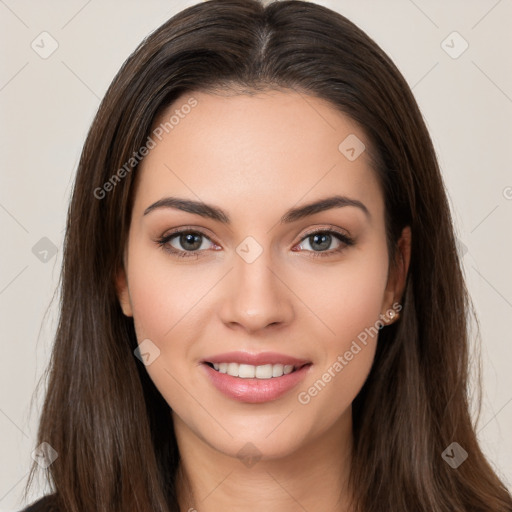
column 256, row 296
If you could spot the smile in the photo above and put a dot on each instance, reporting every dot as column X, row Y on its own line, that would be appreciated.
column 255, row 384
column 249, row 371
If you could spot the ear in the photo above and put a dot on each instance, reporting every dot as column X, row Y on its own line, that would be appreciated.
column 123, row 294
column 398, row 273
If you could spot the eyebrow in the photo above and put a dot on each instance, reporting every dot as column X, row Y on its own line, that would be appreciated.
column 292, row 215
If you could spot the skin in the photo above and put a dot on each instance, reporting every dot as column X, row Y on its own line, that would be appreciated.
column 255, row 157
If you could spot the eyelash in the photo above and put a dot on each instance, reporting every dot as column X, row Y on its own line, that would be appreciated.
column 164, row 241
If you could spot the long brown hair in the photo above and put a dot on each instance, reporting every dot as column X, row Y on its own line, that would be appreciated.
column 103, row 415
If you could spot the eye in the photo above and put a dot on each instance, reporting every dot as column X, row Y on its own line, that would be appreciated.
column 321, row 239
column 185, row 243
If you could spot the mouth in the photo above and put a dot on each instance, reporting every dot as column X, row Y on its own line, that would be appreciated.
column 249, row 371
column 255, row 378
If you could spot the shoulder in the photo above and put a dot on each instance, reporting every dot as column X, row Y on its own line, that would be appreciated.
column 44, row 504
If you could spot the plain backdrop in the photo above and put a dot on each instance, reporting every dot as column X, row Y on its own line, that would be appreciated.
column 47, row 103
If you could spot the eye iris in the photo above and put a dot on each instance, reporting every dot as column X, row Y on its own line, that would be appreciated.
column 326, row 239
column 190, row 238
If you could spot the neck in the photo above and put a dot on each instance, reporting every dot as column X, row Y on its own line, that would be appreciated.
column 312, row 478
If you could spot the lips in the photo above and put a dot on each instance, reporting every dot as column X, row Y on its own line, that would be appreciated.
column 261, row 388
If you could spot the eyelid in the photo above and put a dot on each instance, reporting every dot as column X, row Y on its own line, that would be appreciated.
column 189, row 229
column 201, row 231
column 324, row 228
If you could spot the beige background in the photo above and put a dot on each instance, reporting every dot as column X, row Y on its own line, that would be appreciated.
column 47, row 105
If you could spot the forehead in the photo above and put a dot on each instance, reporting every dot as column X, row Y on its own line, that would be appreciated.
column 255, row 152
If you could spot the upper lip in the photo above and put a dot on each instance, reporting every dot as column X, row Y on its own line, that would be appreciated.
column 255, row 359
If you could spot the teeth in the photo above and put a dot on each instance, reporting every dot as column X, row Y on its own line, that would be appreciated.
column 248, row 371
column 277, row 370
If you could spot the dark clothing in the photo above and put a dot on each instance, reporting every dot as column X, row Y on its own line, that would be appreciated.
column 42, row 505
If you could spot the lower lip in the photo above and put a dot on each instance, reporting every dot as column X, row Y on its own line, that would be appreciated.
column 255, row 390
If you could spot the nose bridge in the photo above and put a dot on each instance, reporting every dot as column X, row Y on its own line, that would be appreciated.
column 256, row 296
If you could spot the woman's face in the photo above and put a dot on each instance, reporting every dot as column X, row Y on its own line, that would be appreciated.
column 254, row 287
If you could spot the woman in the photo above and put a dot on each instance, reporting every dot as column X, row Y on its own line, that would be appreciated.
column 262, row 303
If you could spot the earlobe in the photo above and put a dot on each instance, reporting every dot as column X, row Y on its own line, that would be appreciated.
column 123, row 293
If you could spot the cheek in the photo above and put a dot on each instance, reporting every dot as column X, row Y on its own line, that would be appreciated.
column 152, row 311
column 163, row 293
column 352, row 296
column 163, row 312
column 346, row 357
column 351, row 309
column 330, row 392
